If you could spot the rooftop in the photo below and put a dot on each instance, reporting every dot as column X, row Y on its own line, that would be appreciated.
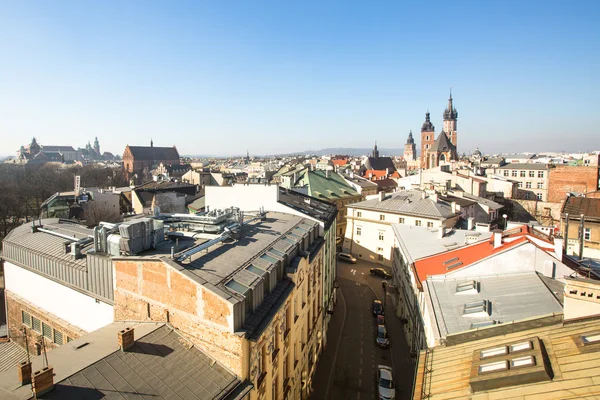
column 315, row 208
column 535, row 166
column 408, row 202
column 418, row 242
column 324, row 185
column 572, row 362
column 510, row 298
column 588, row 206
column 160, row 365
column 226, row 267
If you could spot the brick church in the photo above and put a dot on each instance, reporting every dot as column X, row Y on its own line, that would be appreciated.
column 435, row 151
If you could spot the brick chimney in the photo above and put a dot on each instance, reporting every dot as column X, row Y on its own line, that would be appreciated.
column 24, row 372
column 126, row 338
column 43, row 381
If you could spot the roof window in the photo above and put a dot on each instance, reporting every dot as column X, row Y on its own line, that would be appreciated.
column 469, row 287
column 590, row 339
column 236, row 287
column 475, row 308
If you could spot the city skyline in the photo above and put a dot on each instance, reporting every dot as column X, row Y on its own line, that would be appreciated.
column 270, row 78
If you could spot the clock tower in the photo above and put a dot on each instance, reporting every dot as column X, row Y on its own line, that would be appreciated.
column 450, row 117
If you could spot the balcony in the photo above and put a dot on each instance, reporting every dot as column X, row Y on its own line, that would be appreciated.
column 261, row 379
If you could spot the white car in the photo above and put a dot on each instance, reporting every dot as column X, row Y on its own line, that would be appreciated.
column 385, row 383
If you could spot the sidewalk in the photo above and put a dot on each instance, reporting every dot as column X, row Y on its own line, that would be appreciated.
column 324, row 372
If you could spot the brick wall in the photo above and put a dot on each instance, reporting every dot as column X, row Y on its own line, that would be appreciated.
column 16, row 304
column 152, row 290
column 564, row 179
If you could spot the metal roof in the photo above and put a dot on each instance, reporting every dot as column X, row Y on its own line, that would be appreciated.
column 408, row 202
column 154, row 153
column 588, row 206
column 512, row 298
column 418, row 242
column 160, row 365
column 11, row 354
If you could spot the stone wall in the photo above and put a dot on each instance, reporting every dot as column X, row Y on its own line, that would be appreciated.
column 152, row 290
column 16, row 304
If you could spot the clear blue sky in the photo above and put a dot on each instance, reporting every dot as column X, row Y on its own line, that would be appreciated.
column 220, row 77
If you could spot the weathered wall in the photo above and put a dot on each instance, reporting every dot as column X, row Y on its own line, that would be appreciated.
column 16, row 304
column 152, row 290
column 578, row 179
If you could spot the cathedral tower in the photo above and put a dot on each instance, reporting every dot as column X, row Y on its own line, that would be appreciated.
column 427, row 139
column 450, row 117
column 410, row 149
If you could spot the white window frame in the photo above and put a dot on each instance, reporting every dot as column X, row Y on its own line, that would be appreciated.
column 540, row 174
column 587, row 234
column 358, row 230
column 381, row 236
column 418, row 222
column 382, row 217
column 538, row 196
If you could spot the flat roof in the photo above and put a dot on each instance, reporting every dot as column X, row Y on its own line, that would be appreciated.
column 536, row 166
column 222, row 267
column 419, row 242
column 511, row 298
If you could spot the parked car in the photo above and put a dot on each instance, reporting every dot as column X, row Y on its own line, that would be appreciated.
column 380, row 320
column 385, row 383
column 382, row 338
column 347, row 258
column 381, row 272
column 377, row 308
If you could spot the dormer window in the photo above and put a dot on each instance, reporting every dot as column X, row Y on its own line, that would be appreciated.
column 476, row 308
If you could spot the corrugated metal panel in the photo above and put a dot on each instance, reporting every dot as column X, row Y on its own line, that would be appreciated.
column 100, row 276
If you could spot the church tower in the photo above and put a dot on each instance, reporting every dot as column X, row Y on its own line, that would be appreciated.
column 450, row 117
column 375, row 151
column 427, row 139
column 97, row 146
column 410, row 149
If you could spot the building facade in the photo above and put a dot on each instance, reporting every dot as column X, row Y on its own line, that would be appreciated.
column 141, row 159
column 532, row 179
column 410, row 148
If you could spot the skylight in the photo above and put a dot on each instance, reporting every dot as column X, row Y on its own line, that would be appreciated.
column 268, row 258
column 456, row 264
column 255, row 270
column 236, row 287
column 466, row 287
column 475, row 307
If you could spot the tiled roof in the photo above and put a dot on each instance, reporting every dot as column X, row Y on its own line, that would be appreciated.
column 588, row 206
column 374, row 173
column 340, row 162
column 379, row 163
column 442, row 144
column 408, row 202
column 160, row 365
column 144, row 153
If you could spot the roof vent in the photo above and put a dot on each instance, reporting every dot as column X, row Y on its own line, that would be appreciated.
column 476, row 308
column 469, row 287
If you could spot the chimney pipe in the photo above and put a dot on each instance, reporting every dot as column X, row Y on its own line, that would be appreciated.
column 126, row 338
column 558, row 247
column 441, row 232
column 497, row 238
column 24, row 372
column 381, row 195
column 470, row 223
column 566, row 232
column 43, row 381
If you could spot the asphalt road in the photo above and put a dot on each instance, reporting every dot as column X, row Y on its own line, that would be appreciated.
column 355, row 362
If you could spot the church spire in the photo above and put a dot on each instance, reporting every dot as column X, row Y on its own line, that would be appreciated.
column 375, row 151
column 427, row 125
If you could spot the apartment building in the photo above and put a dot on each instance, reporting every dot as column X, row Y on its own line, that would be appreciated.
column 532, row 179
column 245, row 289
column 369, row 233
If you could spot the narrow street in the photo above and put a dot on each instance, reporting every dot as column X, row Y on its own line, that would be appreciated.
column 351, row 372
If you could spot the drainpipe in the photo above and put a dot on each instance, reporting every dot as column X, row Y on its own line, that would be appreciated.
column 581, row 236
column 566, row 233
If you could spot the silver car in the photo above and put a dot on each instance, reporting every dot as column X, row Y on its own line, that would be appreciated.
column 382, row 337
column 385, row 383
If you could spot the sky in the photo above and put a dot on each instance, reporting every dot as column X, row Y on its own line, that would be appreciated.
column 224, row 77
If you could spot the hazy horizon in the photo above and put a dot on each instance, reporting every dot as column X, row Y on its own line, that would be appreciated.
column 276, row 78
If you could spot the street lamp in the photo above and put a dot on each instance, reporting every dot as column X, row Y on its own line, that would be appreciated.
column 505, row 221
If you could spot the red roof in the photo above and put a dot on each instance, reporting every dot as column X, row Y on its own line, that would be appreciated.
column 375, row 173
column 341, row 162
column 442, row 263
column 395, row 174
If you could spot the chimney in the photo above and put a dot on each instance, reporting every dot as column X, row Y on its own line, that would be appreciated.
column 470, row 223
column 497, row 238
column 24, row 372
column 43, row 381
column 126, row 338
column 423, row 195
column 351, row 174
column 558, row 247
column 454, row 207
column 441, row 232
column 434, row 196
column 327, row 173
column 381, row 195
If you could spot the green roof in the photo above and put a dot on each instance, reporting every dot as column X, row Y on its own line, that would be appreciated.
column 320, row 186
